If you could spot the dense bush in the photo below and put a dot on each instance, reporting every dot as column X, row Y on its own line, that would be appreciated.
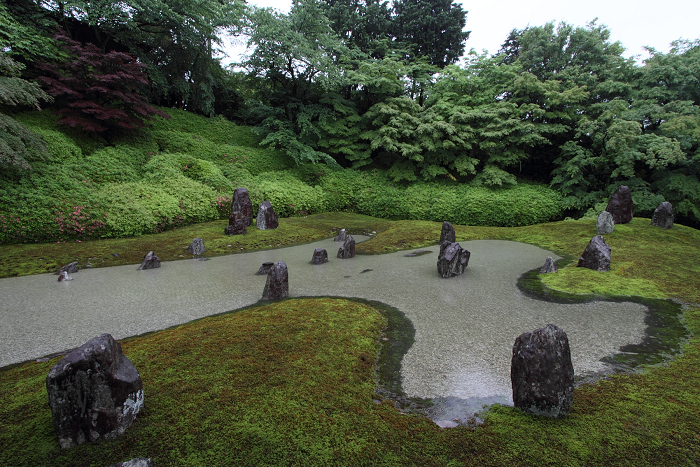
column 200, row 170
column 288, row 195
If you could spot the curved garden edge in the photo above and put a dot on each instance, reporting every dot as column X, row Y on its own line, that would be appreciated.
column 645, row 418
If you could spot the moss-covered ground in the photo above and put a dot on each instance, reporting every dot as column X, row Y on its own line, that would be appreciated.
column 292, row 382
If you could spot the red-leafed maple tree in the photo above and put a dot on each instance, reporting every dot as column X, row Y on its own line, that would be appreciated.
column 96, row 90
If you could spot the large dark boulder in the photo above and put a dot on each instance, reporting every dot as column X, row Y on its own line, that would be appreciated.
column 541, row 372
column 320, row 256
column 241, row 203
column 452, row 260
column 596, row 255
column 94, row 393
column 663, row 216
column 277, row 285
column 620, row 205
column 605, row 223
column 150, row 261
column 447, row 234
column 267, row 217
column 348, row 248
column 236, row 224
column 196, row 247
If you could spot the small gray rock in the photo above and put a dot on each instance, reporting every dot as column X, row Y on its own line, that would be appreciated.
column 341, row 236
column 264, row 269
column 63, row 276
column 605, row 223
column 663, row 216
column 150, row 261
column 136, row 462
column 549, row 266
column 196, row 247
column 70, row 268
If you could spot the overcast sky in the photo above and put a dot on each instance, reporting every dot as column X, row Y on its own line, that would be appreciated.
column 635, row 23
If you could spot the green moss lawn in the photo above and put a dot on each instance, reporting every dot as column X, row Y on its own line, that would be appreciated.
column 292, row 382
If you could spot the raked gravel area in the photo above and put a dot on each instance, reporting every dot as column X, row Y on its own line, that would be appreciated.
column 465, row 325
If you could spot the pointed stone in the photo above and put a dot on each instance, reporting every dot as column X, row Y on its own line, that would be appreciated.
column 549, row 266
column 620, row 205
column 264, row 269
column 663, row 216
column 150, row 261
column 63, row 276
column 605, row 223
column 448, row 233
column 541, row 372
column 596, row 256
column 348, row 249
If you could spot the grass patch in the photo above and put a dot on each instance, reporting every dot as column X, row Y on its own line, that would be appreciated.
column 292, row 382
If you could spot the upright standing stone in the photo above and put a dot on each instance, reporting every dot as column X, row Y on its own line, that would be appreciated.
column 320, row 256
column 605, row 223
column 277, row 285
column 348, row 249
column 94, row 393
column 150, row 261
column 241, row 203
column 196, row 247
column 63, row 276
column 452, row 260
column 541, row 372
column 620, row 205
column 341, row 236
column 236, row 224
column 663, row 216
column 549, row 266
column 447, row 234
column 596, row 255
column 267, row 217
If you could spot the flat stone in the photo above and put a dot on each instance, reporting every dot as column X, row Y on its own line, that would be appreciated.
column 150, row 261
column 596, row 256
column 605, row 223
column 663, row 216
column 277, row 285
column 542, row 375
column 320, row 256
column 94, row 393
column 70, row 268
column 196, row 247
column 620, row 205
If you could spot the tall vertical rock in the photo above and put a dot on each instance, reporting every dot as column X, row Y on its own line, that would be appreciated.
column 620, row 205
column 277, row 285
column 241, row 203
column 447, row 234
column 267, row 217
column 663, row 216
column 541, row 372
column 348, row 249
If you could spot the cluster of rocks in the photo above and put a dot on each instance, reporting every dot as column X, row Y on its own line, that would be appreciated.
column 620, row 210
column 241, row 216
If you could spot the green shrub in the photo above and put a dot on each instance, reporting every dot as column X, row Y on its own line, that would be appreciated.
column 197, row 201
column 200, row 170
column 48, row 121
column 288, row 195
column 60, row 146
column 216, row 129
